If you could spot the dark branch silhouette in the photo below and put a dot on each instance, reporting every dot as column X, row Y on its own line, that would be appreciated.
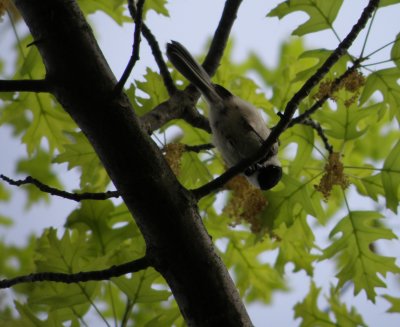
column 199, row 148
column 105, row 274
column 292, row 105
column 53, row 191
column 135, row 48
column 313, row 124
column 221, row 36
column 155, row 49
column 182, row 104
column 25, row 86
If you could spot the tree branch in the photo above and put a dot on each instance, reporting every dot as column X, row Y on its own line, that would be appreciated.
column 183, row 105
column 292, row 105
column 221, row 36
column 198, row 148
column 135, row 48
column 66, row 195
column 180, row 105
column 313, row 124
column 86, row 276
column 155, row 49
column 25, row 86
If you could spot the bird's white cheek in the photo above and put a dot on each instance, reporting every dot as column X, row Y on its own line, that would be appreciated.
column 273, row 161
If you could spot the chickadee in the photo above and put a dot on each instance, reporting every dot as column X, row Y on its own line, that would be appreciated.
column 238, row 130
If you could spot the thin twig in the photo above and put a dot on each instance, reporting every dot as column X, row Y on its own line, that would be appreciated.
column 199, row 148
column 367, row 35
column 105, row 274
column 382, row 47
column 24, row 86
column 155, row 49
column 135, row 48
column 309, row 122
column 292, row 106
column 66, row 195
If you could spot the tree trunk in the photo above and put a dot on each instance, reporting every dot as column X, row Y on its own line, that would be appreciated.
column 178, row 245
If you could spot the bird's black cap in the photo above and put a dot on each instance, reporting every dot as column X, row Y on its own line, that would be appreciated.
column 269, row 176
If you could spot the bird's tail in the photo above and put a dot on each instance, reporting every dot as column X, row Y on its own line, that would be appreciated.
column 191, row 70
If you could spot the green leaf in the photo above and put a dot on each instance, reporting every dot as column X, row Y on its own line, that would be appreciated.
column 345, row 123
column 194, row 172
column 248, row 90
column 384, row 81
column 358, row 262
column 295, row 244
column 14, row 114
column 167, row 318
column 395, row 302
column 62, row 296
column 391, row 178
column 312, row 315
column 4, row 193
column 395, row 52
column 372, row 186
column 154, row 88
column 96, row 217
column 6, row 221
column 80, row 153
column 139, row 289
column 309, row 312
column 287, row 203
column 66, row 255
column 303, row 137
column 114, row 9
column 38, row 167
column 49, row 121
column 159, row 6
column 281, row 78
column 38, row 117
column 321, row 14
column 32, row 58
column 255, row 280
column 384, row 3
column 316, row 58
column 28, row 318
column 344, row 316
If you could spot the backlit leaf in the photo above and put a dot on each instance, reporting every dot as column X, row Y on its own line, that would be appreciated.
column 395, row 53
column 359, row 264
column 139, row 289
column 321, row 13
column 395, row 303
column 309, row 312
column 386, row 82
column 391, row 178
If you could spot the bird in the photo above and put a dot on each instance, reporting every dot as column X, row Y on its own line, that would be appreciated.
column 237, row 127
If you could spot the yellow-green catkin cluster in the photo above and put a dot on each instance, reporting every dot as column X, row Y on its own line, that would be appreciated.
column 3, row 7
column 334, row 175
column 245, row 204
column 352, row 83
column 173, row 155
